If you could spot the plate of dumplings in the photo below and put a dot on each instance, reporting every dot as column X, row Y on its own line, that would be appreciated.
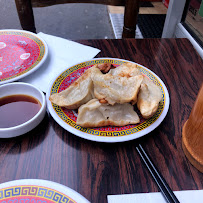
column 108, row 100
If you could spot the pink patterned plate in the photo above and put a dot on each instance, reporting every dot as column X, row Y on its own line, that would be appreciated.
column 67, row 118
column 36, row 190
column 21, row 53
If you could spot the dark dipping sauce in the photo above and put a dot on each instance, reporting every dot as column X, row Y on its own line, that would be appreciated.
column 17, row 109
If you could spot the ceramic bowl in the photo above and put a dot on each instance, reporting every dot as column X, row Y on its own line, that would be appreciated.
column 25, row 89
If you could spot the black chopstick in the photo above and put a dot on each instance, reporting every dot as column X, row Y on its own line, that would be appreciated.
column 162, row 184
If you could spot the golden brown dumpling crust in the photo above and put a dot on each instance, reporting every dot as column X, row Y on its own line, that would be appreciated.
column 126, row 70
column 148, row 98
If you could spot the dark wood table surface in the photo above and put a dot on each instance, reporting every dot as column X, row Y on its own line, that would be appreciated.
column 96, row 170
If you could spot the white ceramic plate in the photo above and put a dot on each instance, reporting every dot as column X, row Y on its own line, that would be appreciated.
column 67, row 118
column 21, row 53
column 36, row 190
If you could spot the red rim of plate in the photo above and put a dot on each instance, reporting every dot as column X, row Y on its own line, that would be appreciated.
column 19, row 66
column 38, row 190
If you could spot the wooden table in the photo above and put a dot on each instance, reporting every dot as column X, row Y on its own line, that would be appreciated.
column 96, row 170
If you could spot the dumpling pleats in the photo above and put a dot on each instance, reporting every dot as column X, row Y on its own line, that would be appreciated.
column 114, row 88
column 96, row 114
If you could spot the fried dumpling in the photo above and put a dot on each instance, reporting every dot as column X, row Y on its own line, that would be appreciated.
column 115, row 89
column 149, row 97
column 96, row 114
column 126, row 70
column 105, row 67
column 78, row 93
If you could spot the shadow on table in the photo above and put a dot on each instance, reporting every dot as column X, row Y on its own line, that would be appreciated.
column 84, row 144
column 31, row 139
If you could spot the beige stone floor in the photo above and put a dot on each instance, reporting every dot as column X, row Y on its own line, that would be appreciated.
column 158, row 8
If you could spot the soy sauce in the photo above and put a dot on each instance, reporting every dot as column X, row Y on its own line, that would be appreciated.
column 17, row 109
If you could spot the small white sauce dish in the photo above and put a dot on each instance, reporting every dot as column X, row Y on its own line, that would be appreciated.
column 17, row 88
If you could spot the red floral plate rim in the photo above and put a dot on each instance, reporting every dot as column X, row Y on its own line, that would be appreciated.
column 21, row 38
column 67, row 118
column 38, row 190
